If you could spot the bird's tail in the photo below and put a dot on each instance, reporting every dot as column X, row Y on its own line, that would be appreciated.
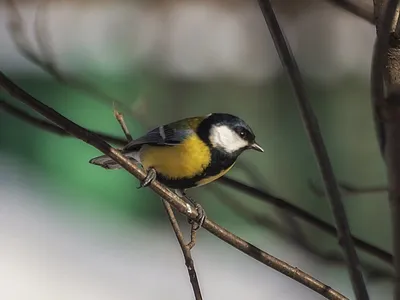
column 106, row 162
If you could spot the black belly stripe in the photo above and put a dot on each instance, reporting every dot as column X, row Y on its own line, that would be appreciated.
column 219, row 162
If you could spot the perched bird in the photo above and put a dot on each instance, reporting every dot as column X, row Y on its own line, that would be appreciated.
column 188, row 153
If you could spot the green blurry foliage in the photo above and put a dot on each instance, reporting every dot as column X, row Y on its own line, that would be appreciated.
column 342, row 107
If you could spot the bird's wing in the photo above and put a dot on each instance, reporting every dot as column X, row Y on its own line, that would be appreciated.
column 166, row 135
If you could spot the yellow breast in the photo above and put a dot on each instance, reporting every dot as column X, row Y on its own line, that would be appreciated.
column 187, row 159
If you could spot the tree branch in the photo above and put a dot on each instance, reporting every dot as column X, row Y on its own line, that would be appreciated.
column 185, row 251
column 313, row 131
column 182, row 206
column 306, row 216
column 174, row 223
column 45, row 60
column 50, row 127
column 296, row 236
column 227, row 181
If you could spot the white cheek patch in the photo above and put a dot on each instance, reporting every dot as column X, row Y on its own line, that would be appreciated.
column 226, row 138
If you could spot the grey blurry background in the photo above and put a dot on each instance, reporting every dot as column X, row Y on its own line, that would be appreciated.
column 70, row 230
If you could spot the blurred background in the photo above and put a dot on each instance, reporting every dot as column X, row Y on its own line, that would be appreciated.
column 71, row 230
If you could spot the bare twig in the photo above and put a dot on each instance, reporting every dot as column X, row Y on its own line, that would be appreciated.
column 120, row 118
column 312, row 127
column 50, row 127
column 227, row 181
column 297, row 236
column 178, row 203
column 292, row 228
column 174, row 223
column 42, row 35
column 357, row 9
column 46, row 59
column 304, row 215
column 185, row 250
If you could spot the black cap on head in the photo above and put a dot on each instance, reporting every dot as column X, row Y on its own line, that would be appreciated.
column 234, row 122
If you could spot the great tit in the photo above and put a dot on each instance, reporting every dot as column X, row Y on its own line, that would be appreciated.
column 188, row 153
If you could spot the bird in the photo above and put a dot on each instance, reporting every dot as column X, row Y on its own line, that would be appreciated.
column 188, row 153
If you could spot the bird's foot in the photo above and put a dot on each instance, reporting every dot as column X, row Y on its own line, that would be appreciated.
column 201, row 217
column 151, row 175
column 201, row 214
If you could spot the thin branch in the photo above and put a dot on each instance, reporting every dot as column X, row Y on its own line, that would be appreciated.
column 304, row 215
column 313, row 131
column 120, row 118
column 182, row 206
column 357, row 9
column 42, row 35
column 185, row 251
column 255, row 192
column 174, row 223
column 50, row 127
column 46, row 59
column 298, row 237
column 262, row 220
column 22, row 42
column 292, row 230
column 227, row 181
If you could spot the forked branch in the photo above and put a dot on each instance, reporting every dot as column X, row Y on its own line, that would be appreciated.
column 174, row 223
column 185, row 250
column 257, row 193
column 183, row 207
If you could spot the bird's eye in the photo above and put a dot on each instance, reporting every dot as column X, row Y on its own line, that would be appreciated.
column 242, row 134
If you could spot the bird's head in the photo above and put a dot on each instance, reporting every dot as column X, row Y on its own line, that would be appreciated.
column 228, row 133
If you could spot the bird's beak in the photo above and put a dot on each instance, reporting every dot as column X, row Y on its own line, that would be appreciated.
column 256, row 147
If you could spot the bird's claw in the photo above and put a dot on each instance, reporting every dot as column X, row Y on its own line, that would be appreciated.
column 201, row 214
column 151, row 175
column 201, row 217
